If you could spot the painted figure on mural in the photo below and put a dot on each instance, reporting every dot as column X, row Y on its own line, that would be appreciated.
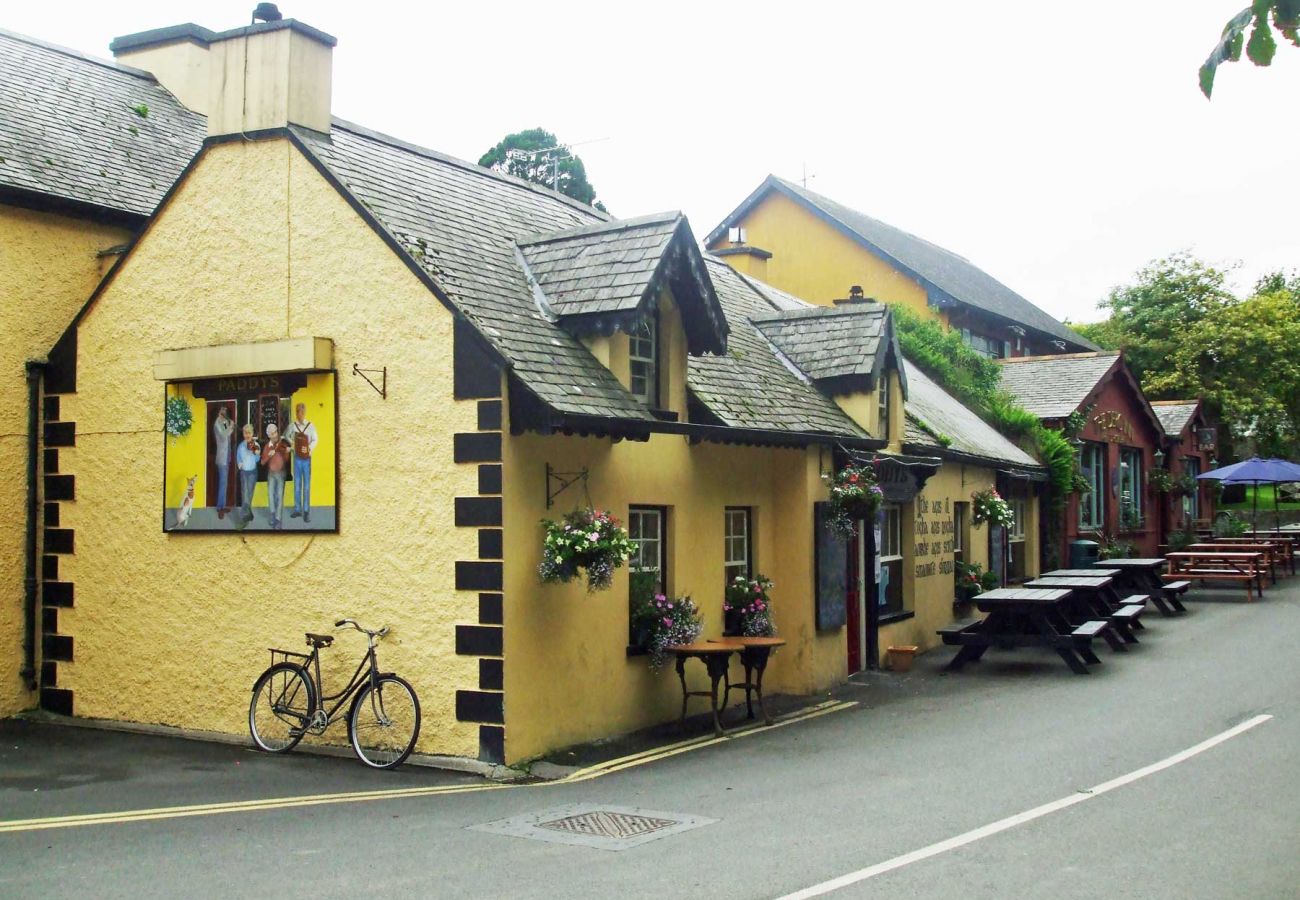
column 246, row 458
column 275, row 456
column 302, row 436
column 222, row 430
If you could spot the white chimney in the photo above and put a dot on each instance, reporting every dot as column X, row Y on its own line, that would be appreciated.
column 265, row 75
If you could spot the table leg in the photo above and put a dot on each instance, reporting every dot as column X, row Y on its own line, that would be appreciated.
column 1057, row 641
column 747, row 660
column 717, row 665
column 755, row 659
column 681, row 673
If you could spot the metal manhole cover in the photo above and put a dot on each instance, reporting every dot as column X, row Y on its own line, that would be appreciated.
column 609, row 824
column 590, row 825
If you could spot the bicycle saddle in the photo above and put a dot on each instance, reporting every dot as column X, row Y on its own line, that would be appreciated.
column 319, row 640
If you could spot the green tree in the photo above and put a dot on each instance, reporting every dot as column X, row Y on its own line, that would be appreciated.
column 536, row 155
column 1242, row 359
column 1151, row 318
column 1261, row 46
column 1280, row 282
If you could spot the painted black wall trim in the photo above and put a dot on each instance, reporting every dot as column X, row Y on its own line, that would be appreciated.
column 480, row 706
column 478, row 512
column 478, row 640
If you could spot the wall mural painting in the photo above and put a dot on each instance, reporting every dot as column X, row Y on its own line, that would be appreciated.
column 257, row 454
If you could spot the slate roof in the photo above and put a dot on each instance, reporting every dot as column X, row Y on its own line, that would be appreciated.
column 947, row 277
column 460, row 223
column 1175, row 415
column 970, row 435
column 1052, row 387
column 749, row 386
column 841, row 345
column 606, row 273
column 69, row 129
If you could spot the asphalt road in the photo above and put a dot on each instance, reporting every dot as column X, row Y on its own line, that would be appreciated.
column 921, row 760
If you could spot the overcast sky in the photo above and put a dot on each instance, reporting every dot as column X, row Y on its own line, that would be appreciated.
column 1060, row 146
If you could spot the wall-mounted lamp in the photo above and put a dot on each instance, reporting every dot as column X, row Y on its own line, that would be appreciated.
column 1159, row 457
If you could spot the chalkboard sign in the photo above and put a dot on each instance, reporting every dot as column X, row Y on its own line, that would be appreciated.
column 268, row 413
column 832, row 572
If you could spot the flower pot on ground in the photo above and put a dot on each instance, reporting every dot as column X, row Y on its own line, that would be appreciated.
column 901, row 656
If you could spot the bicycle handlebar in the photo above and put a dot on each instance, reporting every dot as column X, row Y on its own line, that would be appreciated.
column 380, row 633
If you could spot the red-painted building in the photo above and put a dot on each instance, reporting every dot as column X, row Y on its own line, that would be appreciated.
column 1118, row 442
column 1189, row 450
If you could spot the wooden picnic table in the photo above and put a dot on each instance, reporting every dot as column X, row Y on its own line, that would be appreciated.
column 1271, row 553
column 754, row 655
column 1283, row 545
column 1023, row 617
column 1217, row 565
column 1094, row 597
column 716, row 656
column 1143, row 574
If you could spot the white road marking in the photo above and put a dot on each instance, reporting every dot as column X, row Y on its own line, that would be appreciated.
column 1010, row 822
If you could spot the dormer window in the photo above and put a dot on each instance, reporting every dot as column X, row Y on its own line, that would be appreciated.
column 643, row 356
column 882, row 404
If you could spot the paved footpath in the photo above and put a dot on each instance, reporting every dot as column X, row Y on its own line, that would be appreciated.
column 1172, row 771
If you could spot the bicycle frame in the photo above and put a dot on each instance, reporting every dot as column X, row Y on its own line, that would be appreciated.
column 354, row 683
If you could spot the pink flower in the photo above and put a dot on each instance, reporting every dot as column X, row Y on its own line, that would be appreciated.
column 668, row 622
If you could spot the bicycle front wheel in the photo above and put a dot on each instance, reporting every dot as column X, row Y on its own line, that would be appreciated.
column 384, row 722
column 284, row 698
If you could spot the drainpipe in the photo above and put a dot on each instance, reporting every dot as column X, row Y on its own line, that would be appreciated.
column 34, row 372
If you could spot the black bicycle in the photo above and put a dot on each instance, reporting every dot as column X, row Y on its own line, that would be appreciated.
column 383, row 721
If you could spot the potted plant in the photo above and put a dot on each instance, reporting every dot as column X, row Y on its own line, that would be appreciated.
column 1183, row 485
column 855, row 495
column 747, row 608
column 584, row 539
column 973, row 580
column 988, row 506
column 659, row 622
column 1160, row 480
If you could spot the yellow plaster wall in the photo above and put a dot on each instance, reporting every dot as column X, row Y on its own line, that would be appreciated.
column 165, row 616
column 48, row 267
column 568, row 677
column 816, row 261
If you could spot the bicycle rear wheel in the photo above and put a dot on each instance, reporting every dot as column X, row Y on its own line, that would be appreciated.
column 284, row 698
column 384, row 722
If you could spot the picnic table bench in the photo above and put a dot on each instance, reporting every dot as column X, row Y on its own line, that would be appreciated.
column 1269, row 563
column 1143, row 574
column 1217, row 565
column 1094, row 598
column 1283, row 547
column 1025, row 617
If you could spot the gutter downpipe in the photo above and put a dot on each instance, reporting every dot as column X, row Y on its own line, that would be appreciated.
column 35, row 370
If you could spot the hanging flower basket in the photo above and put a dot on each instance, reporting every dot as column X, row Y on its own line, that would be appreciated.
column 585, row 539
column 1160, row 480
column 178, row 418
column 855, row 495
column 988, row 506
column 747, row 609
column 661, row 622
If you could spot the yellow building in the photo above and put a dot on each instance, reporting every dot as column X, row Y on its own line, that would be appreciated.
column 474, row 354
column 79, row 174
column 815, row 247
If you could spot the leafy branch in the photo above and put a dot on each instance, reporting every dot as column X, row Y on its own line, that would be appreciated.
column 1261, row 46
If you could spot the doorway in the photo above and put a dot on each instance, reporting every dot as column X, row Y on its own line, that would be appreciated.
column 862, row 620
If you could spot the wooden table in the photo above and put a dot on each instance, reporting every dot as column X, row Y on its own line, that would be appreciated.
column 754, row 654
column 1021, row 617
column 1216, row 565
column 1271, row 553
column 1282, row 543
column 716, row 656
column 1143, row 574
column 1094, row 597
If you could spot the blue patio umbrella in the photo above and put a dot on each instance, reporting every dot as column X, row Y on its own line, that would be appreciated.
column 1256, row 471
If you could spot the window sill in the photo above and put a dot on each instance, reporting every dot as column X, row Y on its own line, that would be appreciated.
column 891, row 618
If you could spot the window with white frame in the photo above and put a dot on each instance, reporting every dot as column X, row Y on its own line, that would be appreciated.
column 643, row 359
column 1130, row 488
column 882, row 404
column 737, row 547
column 1016, row 538
column 1019, row 509
column 891, row 559
column 645, row 526
column 1092, row 502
